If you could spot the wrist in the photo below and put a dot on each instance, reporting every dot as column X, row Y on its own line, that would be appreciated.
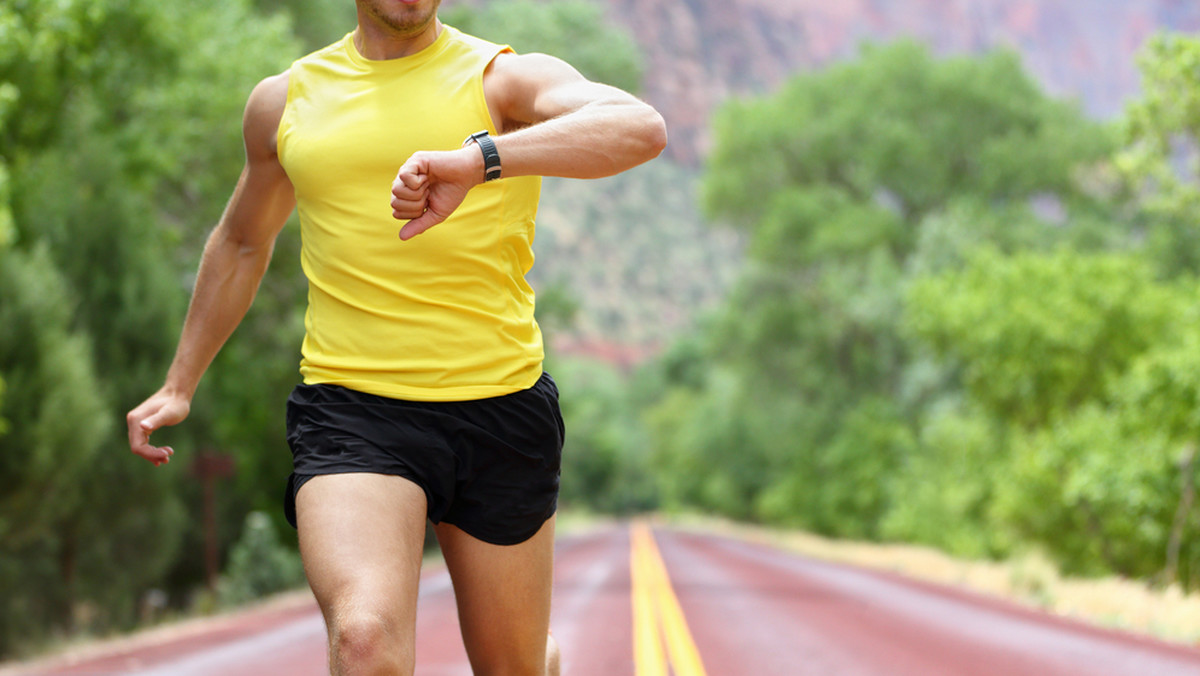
column 473, row 163
column 177, row 390
column 487, row 154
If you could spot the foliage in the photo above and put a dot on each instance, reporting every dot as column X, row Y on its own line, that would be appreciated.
column 855, row 184
column 1161, row 158
column 47, row 456
column 1065, row 354
column 573, row 30
column 633, row 252
column 900, row 128
column 1098, row 498
column 119, row 143
column 1038, row 335
column 693, row 436
column 1163, row 384
column 122, row 146
column 942, row 491
column 603, row 468
column 955, row 326
column 316, row 22
column 259, row 564
column 872, row 441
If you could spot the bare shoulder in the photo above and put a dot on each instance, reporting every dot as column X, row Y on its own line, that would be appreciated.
column 264, row 110
column 530, row 88
column 529, row 71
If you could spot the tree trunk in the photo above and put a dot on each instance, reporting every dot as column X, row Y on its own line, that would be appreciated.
column 1187, row 495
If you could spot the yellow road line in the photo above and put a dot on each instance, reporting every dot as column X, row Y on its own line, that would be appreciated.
column 657, row 615
column 648, row 656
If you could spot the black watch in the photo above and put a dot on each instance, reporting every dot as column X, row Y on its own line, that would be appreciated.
column 491, row 158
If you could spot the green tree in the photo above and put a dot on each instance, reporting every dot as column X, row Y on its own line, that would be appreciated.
column 1038, row 335
column 1092, row 494
column 1159, row 398
column 121, row 147
column 60, row 424
column 603, row 467
column 1160, row 159
column 6, row 235
column 316, row 22
column 1080, row 365
column 942, row 493
column 259, row 564
column 852, row 183
column 901, row 129
column 714, row 451
column 573, row 30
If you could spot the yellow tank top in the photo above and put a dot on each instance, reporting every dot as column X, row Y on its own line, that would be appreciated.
column 447, row 315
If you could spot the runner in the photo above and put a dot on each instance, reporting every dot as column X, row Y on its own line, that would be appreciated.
column 423, row 393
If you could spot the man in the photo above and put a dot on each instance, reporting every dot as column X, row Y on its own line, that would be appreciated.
column 423, row 394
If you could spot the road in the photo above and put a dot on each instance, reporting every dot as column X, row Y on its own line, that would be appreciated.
column 631, row 601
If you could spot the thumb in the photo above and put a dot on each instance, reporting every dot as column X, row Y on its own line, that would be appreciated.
column 161, row 418
column 420, row 224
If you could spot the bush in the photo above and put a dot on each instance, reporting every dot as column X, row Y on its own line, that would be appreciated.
column 259, row 564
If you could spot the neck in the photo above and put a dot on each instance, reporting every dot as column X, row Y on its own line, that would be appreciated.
column 379, row 43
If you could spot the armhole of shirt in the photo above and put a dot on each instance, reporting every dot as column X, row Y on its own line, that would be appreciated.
column 284, row 117
column 480, row 93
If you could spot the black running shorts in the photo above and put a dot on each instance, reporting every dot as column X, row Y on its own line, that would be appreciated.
column 488, row 466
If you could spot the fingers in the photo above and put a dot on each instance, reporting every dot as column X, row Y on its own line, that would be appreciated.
column 405, row 209
column 429, row 187
column 139, row 444
column 410, row 190
column 154, row 413
column 157, row 455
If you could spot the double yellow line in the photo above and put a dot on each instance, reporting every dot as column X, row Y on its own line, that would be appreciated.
column 657, row 617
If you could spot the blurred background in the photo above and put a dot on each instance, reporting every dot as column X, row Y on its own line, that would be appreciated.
column 913, row 271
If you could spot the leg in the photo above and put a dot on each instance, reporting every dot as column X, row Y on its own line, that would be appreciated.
column 503, row 595
column 361, row 537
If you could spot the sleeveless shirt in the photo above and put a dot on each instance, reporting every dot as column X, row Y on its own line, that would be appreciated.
column 447, row 315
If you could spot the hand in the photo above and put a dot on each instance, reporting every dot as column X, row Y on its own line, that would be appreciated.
column 431, row 185
column 160, row 410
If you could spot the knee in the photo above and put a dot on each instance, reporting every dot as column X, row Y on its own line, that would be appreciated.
column 368, row 643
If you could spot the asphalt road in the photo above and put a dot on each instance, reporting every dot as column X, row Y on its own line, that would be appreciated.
column 634, row 602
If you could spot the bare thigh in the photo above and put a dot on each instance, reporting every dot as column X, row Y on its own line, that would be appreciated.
column 503, row 596
column 361, row 538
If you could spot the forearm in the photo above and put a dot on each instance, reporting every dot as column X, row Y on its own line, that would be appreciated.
column 227, row 281
column 599, row 139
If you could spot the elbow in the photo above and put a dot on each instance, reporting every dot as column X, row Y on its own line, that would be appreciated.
column 654, row 133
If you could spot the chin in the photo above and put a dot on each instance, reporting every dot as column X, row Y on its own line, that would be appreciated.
column 405, row 17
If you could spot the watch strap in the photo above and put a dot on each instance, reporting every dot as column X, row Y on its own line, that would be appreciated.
column 491, row 158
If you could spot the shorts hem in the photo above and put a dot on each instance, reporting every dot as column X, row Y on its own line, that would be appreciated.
column 504, row 540
column 296, row 481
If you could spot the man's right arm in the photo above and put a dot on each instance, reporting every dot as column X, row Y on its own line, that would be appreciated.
column 235, row 258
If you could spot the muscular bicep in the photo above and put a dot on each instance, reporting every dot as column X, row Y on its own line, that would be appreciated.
column 532, row 88
column 263, row 198
column 260, row 206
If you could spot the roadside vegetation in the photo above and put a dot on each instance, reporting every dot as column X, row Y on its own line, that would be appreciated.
column 968, row 317
column 1030, row 579
column 907, row 300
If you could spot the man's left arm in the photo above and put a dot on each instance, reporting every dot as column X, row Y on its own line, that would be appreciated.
column 552, row 122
